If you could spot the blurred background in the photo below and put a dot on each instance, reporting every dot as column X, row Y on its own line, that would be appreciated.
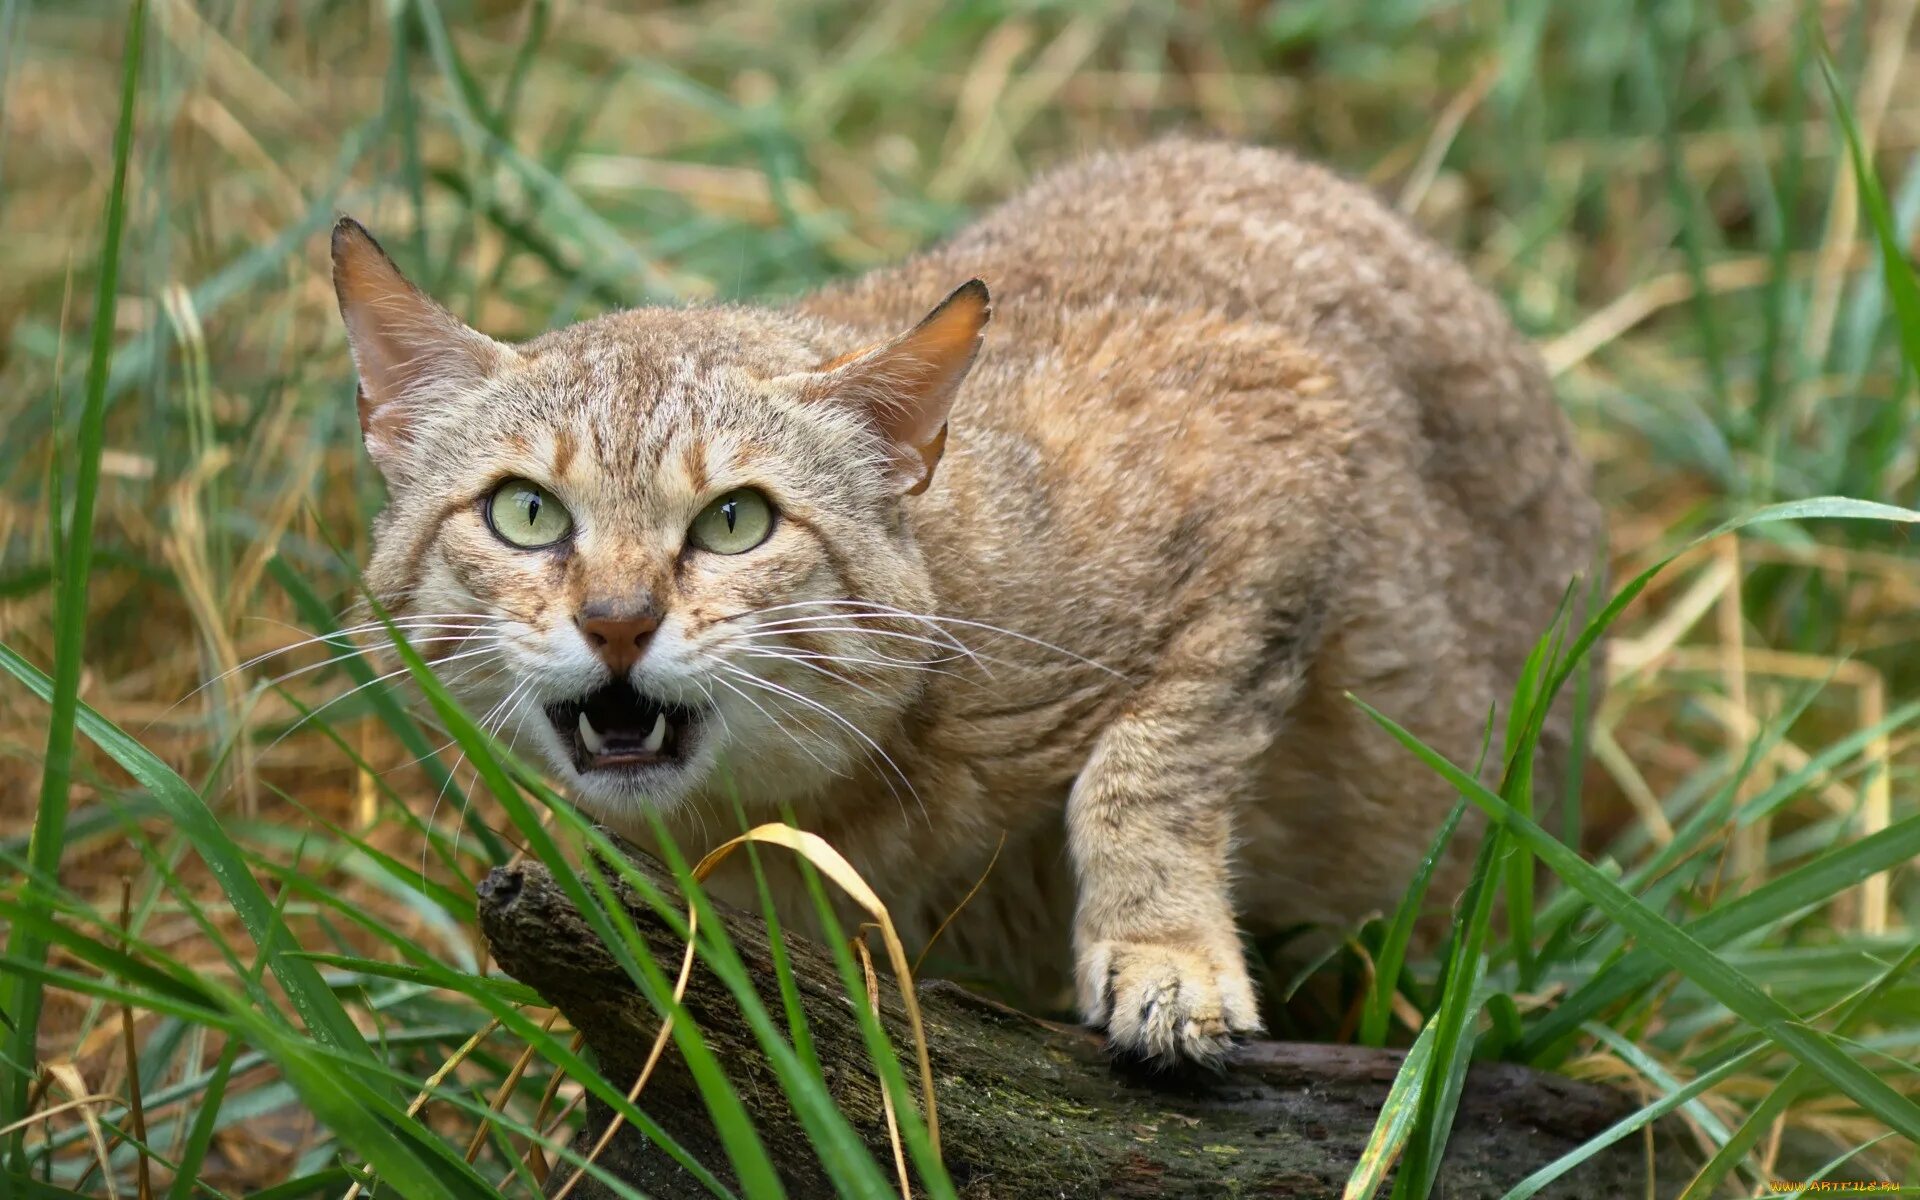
column 1660, row 190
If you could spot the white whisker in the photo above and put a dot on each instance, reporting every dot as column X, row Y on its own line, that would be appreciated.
column 802, row 660
column 277, row 680
column 810, row 656
column 873, row 608
column 782, row 727
column 312, row 713
column 824, row 622
column 340, row 637
column 750, row 677
column 460, row 826
column 749, row 636
column 449, row 682
column 414, row 761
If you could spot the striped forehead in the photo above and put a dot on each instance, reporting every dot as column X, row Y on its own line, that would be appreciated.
column 622, row 407
column 648, row 443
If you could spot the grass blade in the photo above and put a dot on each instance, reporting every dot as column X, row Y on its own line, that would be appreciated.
column 745, row 1151
column 200, row 1134
column 1396, row 1121
column 1655, row 1072
column 1461, row 998
column 1830, row 508
column 1789, row 1089
column 403, row 726
column 319, row 1008
column 70, row 620
column 1633, row 1123
column 1393, row 949
column 1681, row 951
column 1778, row 898
column 1901, row 284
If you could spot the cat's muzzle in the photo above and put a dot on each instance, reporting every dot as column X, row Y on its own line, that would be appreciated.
column 617, row 727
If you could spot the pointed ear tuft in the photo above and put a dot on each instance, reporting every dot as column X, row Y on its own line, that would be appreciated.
column 409, row 351
column 906, row 386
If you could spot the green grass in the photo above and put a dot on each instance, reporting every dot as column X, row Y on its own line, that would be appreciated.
column 1734, row 178
column 73, row 539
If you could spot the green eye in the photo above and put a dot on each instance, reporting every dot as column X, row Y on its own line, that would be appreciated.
column 733, row 524
column 527, row 515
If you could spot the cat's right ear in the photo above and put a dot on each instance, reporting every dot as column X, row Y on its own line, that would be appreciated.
column 410, row 352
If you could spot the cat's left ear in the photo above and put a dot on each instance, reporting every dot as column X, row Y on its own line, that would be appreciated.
column 906, row 386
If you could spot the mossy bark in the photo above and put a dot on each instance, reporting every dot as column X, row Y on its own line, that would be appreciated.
column 1029, row 1108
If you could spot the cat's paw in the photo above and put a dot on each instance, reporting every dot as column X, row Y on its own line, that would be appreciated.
column 1168, row 1003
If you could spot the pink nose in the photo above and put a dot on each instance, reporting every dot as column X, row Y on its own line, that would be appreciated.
column 618, row 638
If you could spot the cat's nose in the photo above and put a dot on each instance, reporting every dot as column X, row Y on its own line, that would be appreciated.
column 618, row 636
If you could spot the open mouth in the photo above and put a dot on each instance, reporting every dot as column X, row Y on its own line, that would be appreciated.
column 616, row 727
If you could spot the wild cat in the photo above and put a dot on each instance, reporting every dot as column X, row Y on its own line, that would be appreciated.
column 1085, row 587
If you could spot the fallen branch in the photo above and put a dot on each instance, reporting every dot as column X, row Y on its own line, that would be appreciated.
column 1027, row 1107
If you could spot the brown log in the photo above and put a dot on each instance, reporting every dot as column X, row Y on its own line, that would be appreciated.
column 1029, row 1108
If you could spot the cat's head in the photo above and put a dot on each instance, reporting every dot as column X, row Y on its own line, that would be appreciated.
column 661, row 539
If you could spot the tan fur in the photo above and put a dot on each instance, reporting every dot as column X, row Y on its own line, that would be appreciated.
column 1239, row 442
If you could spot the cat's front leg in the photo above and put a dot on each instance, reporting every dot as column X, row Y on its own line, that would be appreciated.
column 1149, row 824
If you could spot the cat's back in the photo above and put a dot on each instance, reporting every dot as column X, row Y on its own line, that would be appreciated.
column 1259, row 237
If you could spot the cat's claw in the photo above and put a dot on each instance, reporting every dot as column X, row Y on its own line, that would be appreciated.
column 1167, row 1005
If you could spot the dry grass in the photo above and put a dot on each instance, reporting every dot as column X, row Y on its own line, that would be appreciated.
column 723, row 150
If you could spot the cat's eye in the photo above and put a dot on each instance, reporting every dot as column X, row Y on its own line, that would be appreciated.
column 527, row 515
column 733, row 524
